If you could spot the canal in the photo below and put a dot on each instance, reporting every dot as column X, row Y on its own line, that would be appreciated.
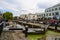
column 32, row 36
column 43, row 36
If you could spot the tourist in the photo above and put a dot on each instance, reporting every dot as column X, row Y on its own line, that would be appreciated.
column 52, row 22
column 56, row 24
column 4, row 22
column 1, row 27
column 26, row 31
column 59, row 23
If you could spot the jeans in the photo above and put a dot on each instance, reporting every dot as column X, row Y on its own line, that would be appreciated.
column 52, row 24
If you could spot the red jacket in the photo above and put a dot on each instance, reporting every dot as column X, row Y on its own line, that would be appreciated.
column 52, row 20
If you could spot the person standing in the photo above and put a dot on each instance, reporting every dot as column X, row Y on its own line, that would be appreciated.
column 26, row 31
column 4, row 22
column 56, row 24
column 52, row 22
column 1, row 27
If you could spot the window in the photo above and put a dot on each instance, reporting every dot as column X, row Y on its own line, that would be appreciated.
column 55, row 8
column 59, row 8
column 56, row 13
column 49, row 14
column 52, row 9
column 33, row 16
column 38, row 15
column 46, row 14
column 53, row 14
column 49, row 10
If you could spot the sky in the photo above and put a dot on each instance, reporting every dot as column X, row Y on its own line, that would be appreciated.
column 18, row 7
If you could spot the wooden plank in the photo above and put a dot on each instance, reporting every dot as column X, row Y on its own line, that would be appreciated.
column 39, row 25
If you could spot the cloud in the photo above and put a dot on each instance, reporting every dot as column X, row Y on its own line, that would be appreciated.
column 47, row 3
column 26, row 6
column 8, row 6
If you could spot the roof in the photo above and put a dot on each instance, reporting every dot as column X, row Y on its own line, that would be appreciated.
column 54, row 5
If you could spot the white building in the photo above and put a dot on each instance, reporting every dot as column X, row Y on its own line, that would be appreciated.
column 32, row 16
column 53, row 11
column 40, row 15
column 23, row 16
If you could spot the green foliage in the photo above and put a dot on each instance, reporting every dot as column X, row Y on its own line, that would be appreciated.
column 8, row 15
column 15, row 18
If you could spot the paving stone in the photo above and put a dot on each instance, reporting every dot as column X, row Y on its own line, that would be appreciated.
column 6, row 36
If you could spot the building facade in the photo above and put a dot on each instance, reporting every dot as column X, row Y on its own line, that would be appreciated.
column 50, row 12
column 23, row 16
column 32, row 16
column 40, row 15
column 53, row 11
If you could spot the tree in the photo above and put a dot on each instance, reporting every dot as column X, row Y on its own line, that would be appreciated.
column 8, row 15
column 15, row 18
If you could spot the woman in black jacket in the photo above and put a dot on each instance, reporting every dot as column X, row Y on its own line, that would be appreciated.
column 1, row 27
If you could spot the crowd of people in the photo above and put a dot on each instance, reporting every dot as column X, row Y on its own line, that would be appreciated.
column 52, row 22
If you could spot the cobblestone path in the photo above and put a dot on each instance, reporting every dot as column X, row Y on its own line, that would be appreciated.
column 6, row 36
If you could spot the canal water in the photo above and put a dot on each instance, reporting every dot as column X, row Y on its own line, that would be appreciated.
column 42, row 36
column 38, row 36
